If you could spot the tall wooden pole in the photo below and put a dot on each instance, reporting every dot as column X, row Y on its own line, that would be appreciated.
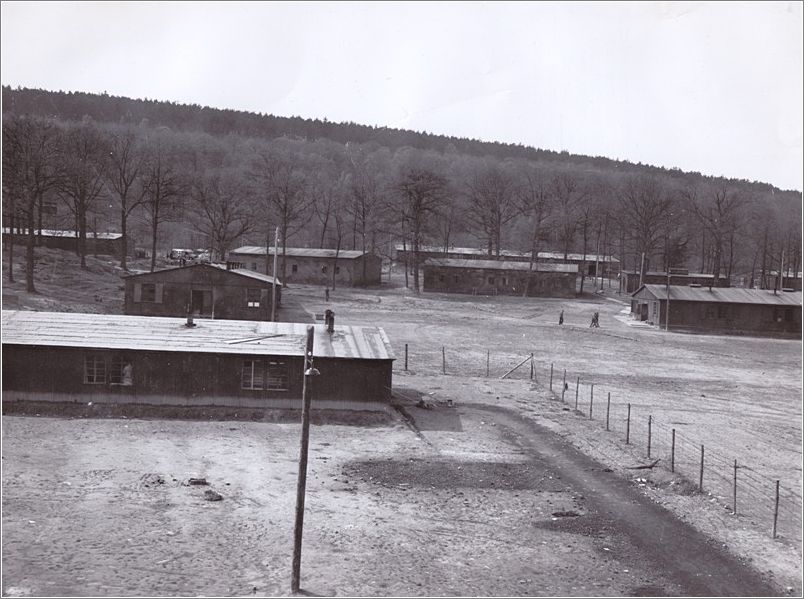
column 273, row 287
column 301, row 485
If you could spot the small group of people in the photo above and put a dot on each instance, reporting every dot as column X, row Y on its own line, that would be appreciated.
column 595, row 319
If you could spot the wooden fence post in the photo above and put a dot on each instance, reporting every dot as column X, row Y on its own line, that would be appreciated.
column 406, row 357
column 577, row 386
column 650, row 421
column 591, row 399
column 734, row 491
column 551, row 377
column 564, row 385
column 628, row 426
column 531, row 366
column 776, row 509
column 673, row 450
column 700, row 474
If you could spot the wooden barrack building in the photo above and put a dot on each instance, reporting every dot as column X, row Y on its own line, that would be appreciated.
column 498, row 277
column 162, row 361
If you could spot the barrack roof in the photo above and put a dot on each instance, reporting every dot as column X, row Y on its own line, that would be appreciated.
column 66, row 233
column 731, row 295
column 257, row 250
column 506, row 253
column 501, row 265
column 156, row 333
column 244, row 272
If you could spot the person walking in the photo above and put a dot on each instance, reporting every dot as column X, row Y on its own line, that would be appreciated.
column 326, row 294
column 561, row 317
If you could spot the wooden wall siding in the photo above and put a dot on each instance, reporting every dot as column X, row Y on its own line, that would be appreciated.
column 605, row 267
column 225, row 294
column 185, row 376
column 720, row 317
column 103, row 247
column 515, row 282
column 310, row 270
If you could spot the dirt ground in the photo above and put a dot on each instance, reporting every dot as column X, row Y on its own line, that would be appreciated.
column 459, row 500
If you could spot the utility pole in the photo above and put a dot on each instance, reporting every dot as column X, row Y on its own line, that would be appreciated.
column 273, row 286
column 301, row 485
column 667, row 313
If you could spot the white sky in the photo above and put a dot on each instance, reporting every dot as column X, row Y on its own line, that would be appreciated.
column 709, row 87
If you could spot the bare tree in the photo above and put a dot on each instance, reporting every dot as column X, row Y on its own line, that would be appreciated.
column 492, row 204
column 164, row 191
column 222, row 210
column 366, row 202
column 81, row 177
column 124, row 170
column 646, row 212
column 283, row 188
column 422, row 194
column 30, row 150
column 536, row 200
column 569, row 197
column 718, row 210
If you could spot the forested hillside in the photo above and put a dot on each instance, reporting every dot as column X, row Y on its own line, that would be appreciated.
column 172, row 175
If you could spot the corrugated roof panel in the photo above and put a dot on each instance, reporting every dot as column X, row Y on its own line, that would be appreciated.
column 508, row 253
column 256, row 250
column 252, row 274
column 156, row 333
column 732, row 295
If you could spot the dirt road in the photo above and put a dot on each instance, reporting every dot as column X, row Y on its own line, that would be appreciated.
column 673, row 550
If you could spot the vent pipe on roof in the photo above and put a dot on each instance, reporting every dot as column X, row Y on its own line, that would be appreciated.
column 189, row 324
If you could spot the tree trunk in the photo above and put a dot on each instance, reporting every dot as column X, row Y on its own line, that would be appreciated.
column 29, row 253
column 124, row 240
column 154, row 226
column 11, row 245
column 82, row 238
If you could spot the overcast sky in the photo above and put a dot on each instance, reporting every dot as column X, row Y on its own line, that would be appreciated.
column 709, row 87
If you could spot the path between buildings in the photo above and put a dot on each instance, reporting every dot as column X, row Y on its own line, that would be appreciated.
column 672, row 548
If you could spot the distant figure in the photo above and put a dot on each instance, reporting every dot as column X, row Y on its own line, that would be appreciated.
column 561, row 317
column 326, row 294
column 127, row 374
column 183, row 261
column 595, row 322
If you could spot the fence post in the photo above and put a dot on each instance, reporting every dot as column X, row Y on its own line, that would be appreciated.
column 734, row 490
column 673, row 451
column 577, row 386
column 406, row 357
column 564, row 385
column 608, row 409
column 551, row 377
column 531, row 366
column 591, row 399
column 650, row 422
column 628, row 426
column 776, row 509
column 443, row 360
column 488, row 359
column 700, row 474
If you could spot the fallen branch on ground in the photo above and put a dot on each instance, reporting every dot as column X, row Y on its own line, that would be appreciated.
column 644, row 466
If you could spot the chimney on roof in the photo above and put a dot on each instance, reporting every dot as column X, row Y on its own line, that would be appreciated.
column 329, row 320
column 189, row 324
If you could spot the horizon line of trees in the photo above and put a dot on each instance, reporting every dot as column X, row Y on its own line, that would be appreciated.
column 230, row 188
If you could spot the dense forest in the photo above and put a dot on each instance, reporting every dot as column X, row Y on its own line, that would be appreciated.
column 169, row 175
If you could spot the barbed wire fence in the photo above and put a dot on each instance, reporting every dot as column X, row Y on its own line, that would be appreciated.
column 739, row 487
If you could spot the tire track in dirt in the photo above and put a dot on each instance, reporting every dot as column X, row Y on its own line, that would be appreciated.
column 688, row 557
